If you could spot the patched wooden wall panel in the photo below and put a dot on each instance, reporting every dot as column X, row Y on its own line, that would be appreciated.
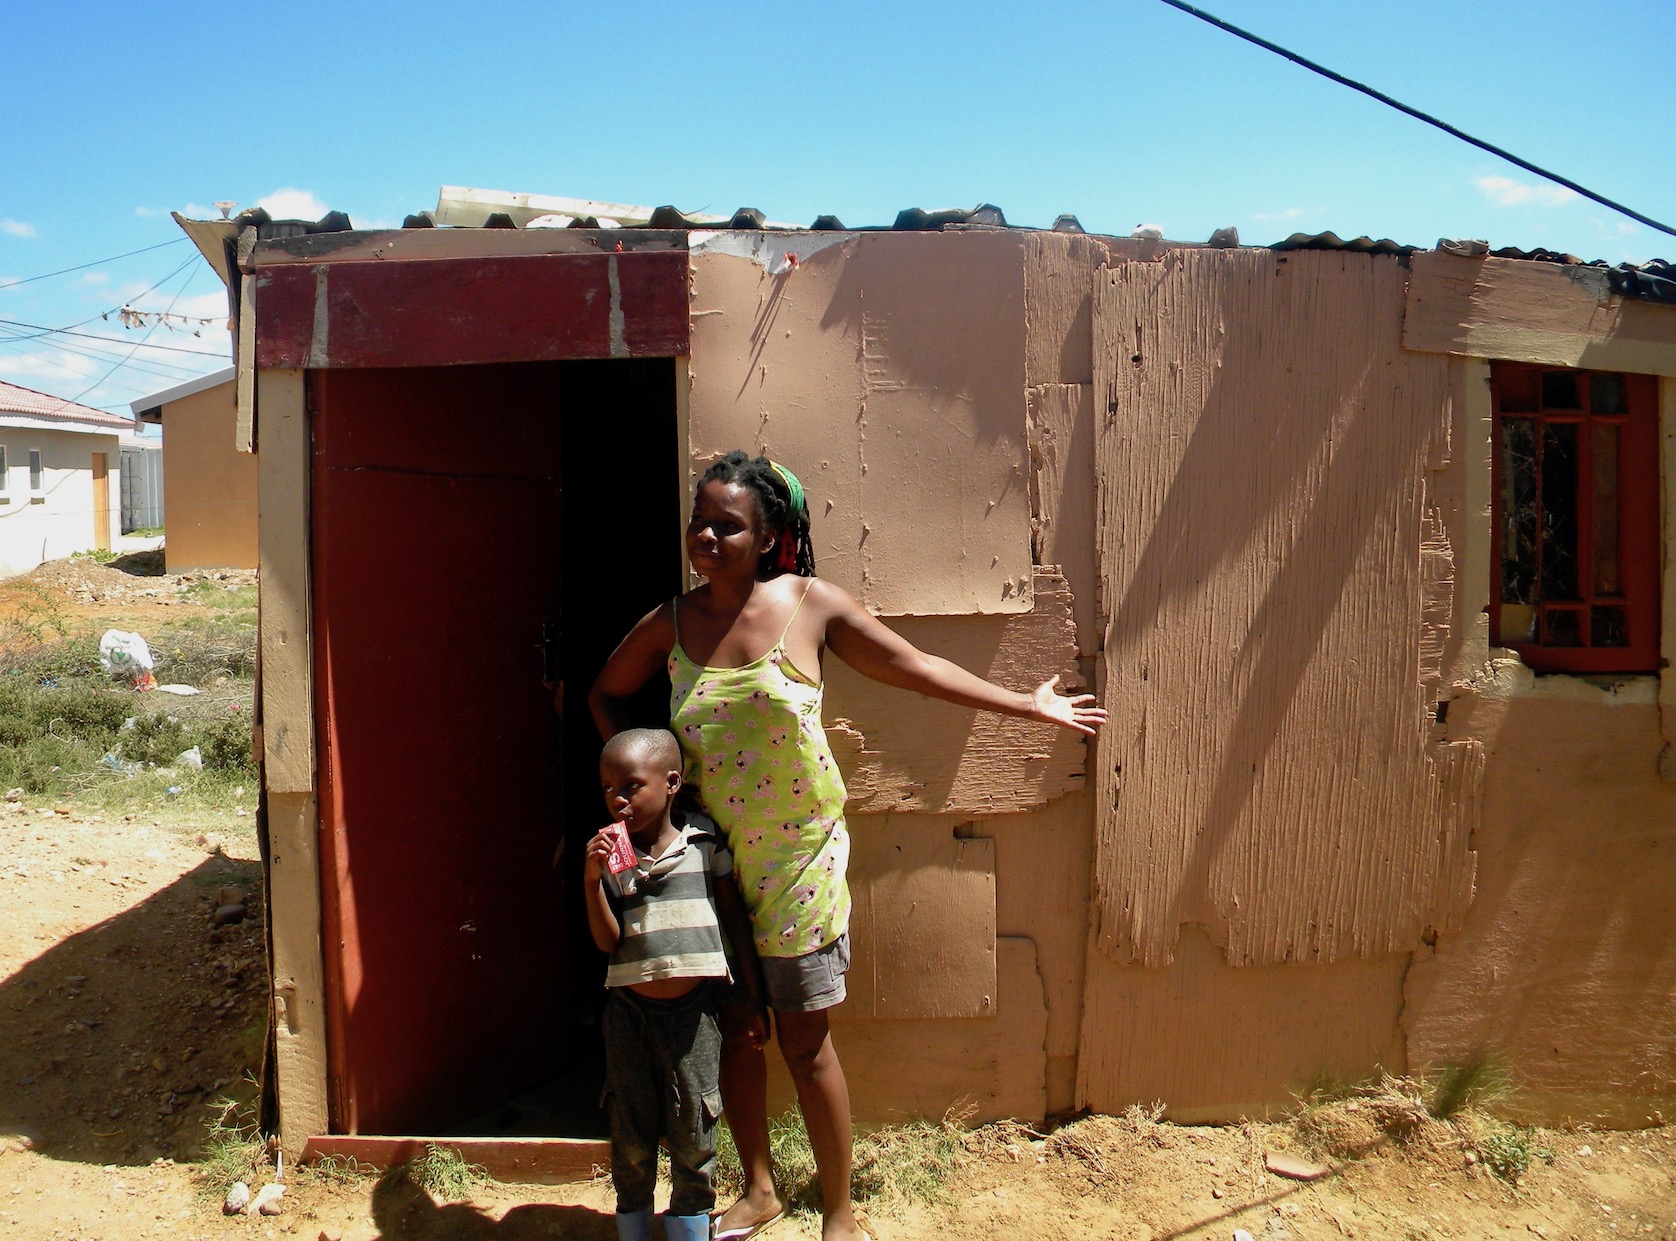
column 888, row 370
column 1275, row 583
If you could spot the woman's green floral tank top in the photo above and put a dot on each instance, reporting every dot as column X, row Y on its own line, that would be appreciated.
column 755, row 750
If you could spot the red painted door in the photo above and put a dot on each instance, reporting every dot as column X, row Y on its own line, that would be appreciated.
column 435, row 522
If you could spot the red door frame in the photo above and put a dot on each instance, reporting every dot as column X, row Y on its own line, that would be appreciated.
column 324, row 315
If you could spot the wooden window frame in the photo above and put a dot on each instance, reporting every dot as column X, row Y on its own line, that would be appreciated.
column 1637, row 522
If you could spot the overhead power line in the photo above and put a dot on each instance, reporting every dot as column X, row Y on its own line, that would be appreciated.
column 41, row 331
column 1417, row 114
column 64, row 271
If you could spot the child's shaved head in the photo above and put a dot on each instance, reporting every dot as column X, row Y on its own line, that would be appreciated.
column 652, row 745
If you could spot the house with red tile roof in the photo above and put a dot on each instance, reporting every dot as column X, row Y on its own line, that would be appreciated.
column 60, row 478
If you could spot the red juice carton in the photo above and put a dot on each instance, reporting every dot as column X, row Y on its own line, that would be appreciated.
column 622, row 850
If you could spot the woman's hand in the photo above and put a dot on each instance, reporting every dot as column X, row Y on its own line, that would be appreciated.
column 1075, row 712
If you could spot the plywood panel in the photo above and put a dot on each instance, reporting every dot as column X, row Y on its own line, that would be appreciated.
column 1062, row 486
column 287, row 705
column 299, row 987
column 923, row 920
column 1564, row 972
column 1265, row 546
column 979, row 1068
column 904, row 752
column 1059, row 307
column 887, row 370
column 445, row 312
column 1043, row 865
column 1215, row 1042
column 1534, row 312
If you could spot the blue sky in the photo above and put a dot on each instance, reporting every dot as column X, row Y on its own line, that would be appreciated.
column 1123, row 113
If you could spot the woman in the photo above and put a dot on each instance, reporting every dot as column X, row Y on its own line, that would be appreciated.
column 743, row 652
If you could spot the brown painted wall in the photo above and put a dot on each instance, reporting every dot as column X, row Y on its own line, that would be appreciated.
column 209, row 488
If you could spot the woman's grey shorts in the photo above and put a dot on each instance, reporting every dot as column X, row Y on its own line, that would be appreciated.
column 808, row 983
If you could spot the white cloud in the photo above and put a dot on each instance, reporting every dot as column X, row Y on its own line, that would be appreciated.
column 1506, row 192
column 292, row 204
column 1291, row 213
column 96, row 277
column 147, row 213
column 17, row 228
column 197, row 211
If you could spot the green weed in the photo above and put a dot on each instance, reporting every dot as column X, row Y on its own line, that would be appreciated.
column 1507, row 1150
column 891, row 1166
column 1474, row 1083
column 445, row 1174
column 98, row 555
column 233, row 1147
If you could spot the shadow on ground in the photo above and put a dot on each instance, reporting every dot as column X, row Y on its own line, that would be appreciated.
column 118, row 1044
column 403, row 1211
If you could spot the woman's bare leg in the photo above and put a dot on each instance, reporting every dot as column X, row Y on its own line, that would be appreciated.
column 824, row 1098
column 745, row 1105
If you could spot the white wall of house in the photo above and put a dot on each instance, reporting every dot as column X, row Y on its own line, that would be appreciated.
column 47, row 514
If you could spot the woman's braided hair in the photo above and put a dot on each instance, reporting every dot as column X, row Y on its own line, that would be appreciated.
column 780, row 504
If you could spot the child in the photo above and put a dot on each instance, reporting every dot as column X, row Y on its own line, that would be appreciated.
column 662, row 923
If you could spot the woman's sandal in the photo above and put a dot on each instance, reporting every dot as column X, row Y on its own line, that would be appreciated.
column 749, row 1230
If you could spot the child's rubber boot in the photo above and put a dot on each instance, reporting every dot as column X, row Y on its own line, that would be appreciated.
column 686, row 1227
column 635, row 1225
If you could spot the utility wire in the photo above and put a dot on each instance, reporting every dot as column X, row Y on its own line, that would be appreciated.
column 137, row 345
column 40, row 331
column 12, row 284
column 1417, row 114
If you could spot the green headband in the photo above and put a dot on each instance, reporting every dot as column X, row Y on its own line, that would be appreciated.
column 798, row 504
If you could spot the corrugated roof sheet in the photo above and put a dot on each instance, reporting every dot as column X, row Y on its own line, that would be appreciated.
column 1654, row 280
column 26, row 401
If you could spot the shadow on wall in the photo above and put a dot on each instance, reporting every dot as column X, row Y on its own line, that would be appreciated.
column 1280, row 565
column 112, row 1052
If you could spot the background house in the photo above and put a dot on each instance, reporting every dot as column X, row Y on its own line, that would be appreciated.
column 209, row 489
column 1274, row 505
column 60, row 478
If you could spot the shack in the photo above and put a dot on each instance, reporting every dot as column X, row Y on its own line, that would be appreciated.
column 1365, row 548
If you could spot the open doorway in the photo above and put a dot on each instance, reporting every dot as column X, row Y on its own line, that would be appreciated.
column 465, row 520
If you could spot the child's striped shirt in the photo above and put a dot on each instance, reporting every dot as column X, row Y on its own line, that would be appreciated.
column 666, row 907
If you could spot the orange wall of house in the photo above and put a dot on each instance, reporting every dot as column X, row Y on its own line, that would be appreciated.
column 209, row 489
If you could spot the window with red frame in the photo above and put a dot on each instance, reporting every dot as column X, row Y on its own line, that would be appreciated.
column 1576, row 514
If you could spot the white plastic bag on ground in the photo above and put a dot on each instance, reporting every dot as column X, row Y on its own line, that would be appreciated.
column 193, row 758
column 123, row 652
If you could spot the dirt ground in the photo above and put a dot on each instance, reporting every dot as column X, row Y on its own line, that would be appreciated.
column 127, row 1016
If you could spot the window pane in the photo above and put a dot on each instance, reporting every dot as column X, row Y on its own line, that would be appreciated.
column 1561, row 627
column 1606, row 511
column 36, row 481
column 1518, row 510
column 1559, row 511
column 1518, row 624
column 1609, row 626
column 1518, row 389
column 1559, row 390
column 1606, row 394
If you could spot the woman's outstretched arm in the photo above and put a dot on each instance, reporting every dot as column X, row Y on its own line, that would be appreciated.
column 870, row 647
column 636, row 660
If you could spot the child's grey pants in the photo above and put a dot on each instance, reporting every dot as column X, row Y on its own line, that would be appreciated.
column 662, row 1080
